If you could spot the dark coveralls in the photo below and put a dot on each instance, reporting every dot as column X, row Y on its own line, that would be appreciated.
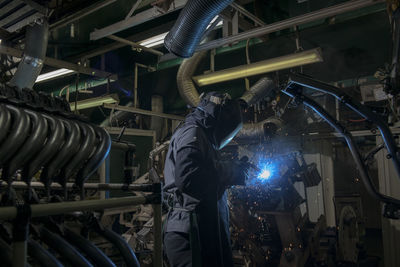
column 196, row 232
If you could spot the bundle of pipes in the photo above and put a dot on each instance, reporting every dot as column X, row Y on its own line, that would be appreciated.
column 39, row 132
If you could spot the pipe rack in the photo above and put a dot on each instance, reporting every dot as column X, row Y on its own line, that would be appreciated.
column 19, row 185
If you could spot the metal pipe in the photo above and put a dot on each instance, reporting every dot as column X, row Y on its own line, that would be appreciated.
column 19, row 132
column 258, row 91
column 40, row 254
column 294, row 93
column 135, row 45
column 30, row 147
column 95, row 254
column 125, row 250
column 99, row 155
column 19, row 185
column 54, row 141
column 43, row 210
column 5, row 122
column 143, row 112
column 66, row 250
column 356, row 107
column 80, row 14
column 290, row 23
column 248, row 14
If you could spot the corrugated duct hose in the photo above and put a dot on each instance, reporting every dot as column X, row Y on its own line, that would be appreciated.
column 191, row 24
column 182, row 41
column 258, row 91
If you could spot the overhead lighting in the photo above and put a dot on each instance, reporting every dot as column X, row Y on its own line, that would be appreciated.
column 154, row 41
column 95, row 102
column 265, row 66
column 159, row 39
column 53, row 74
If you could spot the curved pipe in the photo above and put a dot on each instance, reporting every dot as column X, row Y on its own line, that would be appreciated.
column 34, row 54
column 190, row 95
column 102, row 150
column 87, row 247
column 19, row 133
column 186, row 86
column 55, row 139
column 31, row 146
column 356, row 107
column 85, row 150
column 68, row 252
column 191, row 24
column 259, row 131
column 258, row 91
column 68, row 150
column 41, row 255
column 117, row 116
column 5, row 122
column 120, row 243
column 350, row 142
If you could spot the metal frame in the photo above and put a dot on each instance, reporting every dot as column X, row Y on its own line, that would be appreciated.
column 290, row 23
column 130, row 22
column 294, row 90
column 61, row 64
column 144, row 112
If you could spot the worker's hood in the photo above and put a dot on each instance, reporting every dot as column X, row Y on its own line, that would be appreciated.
column 220, row 116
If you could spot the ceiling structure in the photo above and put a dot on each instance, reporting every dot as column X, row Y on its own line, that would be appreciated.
column 107, row 37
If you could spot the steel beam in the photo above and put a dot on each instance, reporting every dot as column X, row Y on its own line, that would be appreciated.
column 290, row 23
column 18, row 185
column 139, row 18
column 80, row 14
column 56, row 63
column 129, row 131
column 144, row 112
column 245, row 12
column 42, row 210
column 135, row 45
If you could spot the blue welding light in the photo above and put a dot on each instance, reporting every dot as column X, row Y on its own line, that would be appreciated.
column 264, row 174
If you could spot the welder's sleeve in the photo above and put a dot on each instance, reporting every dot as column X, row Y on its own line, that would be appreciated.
column 232, row 173
column 191, row 170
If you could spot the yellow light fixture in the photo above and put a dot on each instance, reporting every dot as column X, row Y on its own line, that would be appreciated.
column 265, row 66
column 95, row 102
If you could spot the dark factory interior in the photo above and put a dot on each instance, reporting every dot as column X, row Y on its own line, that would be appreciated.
column 204, row 133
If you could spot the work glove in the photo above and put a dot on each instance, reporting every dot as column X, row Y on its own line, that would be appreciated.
column 234, row 172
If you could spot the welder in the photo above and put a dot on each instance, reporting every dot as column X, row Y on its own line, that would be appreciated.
column 196, row 231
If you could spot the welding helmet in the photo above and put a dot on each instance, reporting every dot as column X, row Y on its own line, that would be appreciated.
column 227, row 114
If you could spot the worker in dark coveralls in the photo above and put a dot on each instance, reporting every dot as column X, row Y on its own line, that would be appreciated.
column 196, row 231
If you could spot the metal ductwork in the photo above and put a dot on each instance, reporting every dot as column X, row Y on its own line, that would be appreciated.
column 34, row 54
column 258, row 91
column 191, row 24
column 259, row 131
column 186, row 86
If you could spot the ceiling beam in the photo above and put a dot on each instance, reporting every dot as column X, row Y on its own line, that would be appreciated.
column 80, row 14
column 289, row 23
column 56, row 63
column 137, row 19
column 117, row 45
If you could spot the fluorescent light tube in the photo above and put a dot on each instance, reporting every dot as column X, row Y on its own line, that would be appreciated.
column 159, row 39
column 95, row 102
column 53, row 74
column 265, row 66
